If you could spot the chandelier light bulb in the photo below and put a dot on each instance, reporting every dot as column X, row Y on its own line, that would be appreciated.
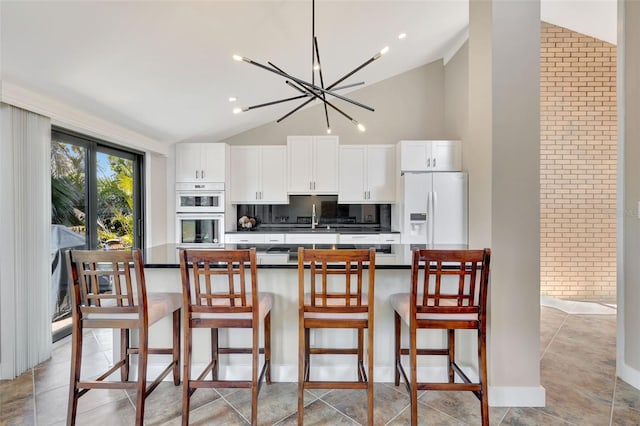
column 384, row 50
column 316, row 67
column 361, row 127
column 237, row 58
column 237, row 110
column 232, row 99
column 402, row 36
column 328, row 130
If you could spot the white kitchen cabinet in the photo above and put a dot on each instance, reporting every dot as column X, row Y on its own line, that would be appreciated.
column 359, row 238
column 258, row 174
column 200, row 162
column 313, row 164
column 390, row 238
column 253, row 238
column 367, row 174
column 430, row 156
column 311, row 238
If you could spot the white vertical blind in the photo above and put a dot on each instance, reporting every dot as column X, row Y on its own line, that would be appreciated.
column 25, row 222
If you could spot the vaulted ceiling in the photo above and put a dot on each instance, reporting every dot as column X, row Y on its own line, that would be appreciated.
column 164, row 69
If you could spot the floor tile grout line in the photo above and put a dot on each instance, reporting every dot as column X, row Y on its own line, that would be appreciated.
column 233, row 407
column 340, row 412
column 613, row 399
column 564, row 320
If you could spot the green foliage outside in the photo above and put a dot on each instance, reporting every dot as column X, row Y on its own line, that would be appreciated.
column 114, row 194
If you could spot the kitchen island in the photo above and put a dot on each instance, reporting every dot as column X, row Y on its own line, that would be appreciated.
column 393, row 271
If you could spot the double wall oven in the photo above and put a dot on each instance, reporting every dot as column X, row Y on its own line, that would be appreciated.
column 200, row 214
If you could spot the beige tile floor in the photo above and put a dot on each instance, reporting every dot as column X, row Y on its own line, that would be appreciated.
column 577, row 371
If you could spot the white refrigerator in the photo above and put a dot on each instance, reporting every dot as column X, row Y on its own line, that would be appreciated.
column 434, row 208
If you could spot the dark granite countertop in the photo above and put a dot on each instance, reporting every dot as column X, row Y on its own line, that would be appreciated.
column 283, row 256
column 320, row 229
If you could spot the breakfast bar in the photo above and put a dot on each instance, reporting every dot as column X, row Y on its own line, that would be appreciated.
column 277, row 273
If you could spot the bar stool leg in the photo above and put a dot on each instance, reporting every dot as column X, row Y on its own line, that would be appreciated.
column 214, row 353
column 302, row 365
column 143, row 351
column 76, row 360
column 398, row 329
column 124, row 354
column 186, row 376
column 267, row 346
column 176, row 346
column 413, row 354
column 452, row 354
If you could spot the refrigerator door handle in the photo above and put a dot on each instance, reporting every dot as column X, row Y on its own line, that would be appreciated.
column 434, row 204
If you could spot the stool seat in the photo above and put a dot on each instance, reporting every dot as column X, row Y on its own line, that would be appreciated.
column 159, row 305
column 401, row 303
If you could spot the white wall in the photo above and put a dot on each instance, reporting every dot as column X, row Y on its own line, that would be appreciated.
column 407, row 106
column 456, row 97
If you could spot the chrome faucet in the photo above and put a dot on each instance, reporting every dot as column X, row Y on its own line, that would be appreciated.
column 314, row 220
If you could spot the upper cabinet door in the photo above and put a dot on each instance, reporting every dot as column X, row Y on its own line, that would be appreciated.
column 313, row 164
column 213, row 162
column 353, row 168
column 188, row 162
column 430, row 156
column 274, row 175
column 414, row 155
column 325, row 164
column 446, row 156
column 381, row 173
column 258, row 175
column 300, row 153
column 245, row 164
column 200, row 162
column 367, row 174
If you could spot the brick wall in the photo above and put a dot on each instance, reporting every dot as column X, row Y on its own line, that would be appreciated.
column 577, row 165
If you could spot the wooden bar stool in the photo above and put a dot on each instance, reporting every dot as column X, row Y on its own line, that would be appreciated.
column 437, row 303
column 217, row 295
column 326, row 301
column 106, row 294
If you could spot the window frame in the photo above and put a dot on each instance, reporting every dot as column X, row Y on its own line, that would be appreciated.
column 92, row 146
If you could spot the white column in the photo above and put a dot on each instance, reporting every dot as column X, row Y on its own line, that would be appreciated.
column 628, row 290
column 25, row 261
column 504, row 139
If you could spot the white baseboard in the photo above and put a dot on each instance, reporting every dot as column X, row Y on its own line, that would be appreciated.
column 516, row 396
column 499, row 396
column 629, row 374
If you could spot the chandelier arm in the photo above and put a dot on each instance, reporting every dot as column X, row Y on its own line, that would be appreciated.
column 295, row 109
column 326, row 102
column 346, row 86
column 312, row 86
column 355, row 70
column 296, row 86
column 276, row 102
column 324, row 96
column 334, row 94
column 311, row 99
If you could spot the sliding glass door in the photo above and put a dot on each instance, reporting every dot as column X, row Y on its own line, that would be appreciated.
column 96, row 203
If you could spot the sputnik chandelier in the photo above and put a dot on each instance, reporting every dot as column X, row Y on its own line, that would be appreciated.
column 310, row 91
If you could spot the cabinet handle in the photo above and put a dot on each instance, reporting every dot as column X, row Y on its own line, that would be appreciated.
column 202, row 174
column 428, row 162
column 314, row 184
column 310, row 185
column 196, row 174
column 256, row 195
column 434, row 163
